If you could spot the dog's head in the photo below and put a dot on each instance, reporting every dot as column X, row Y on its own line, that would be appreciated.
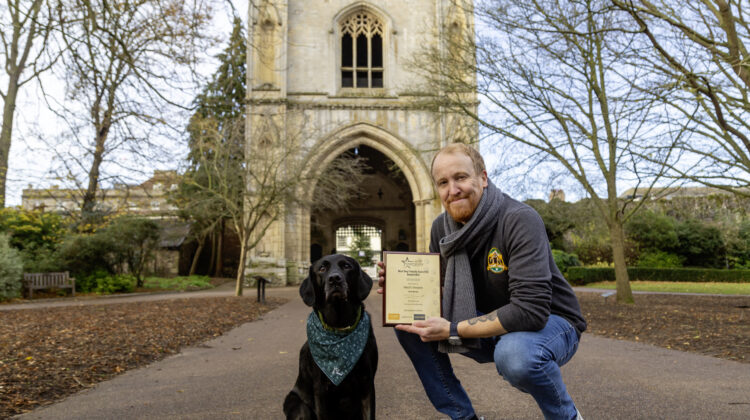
column 335, row 278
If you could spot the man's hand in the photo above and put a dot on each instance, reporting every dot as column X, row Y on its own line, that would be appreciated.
column 381, row 276
column 433, row 329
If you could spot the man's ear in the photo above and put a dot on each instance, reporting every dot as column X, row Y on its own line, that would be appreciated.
column 307, row 288
column 365, row 285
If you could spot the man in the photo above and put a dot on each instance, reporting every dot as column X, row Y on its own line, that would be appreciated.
column 504, row 300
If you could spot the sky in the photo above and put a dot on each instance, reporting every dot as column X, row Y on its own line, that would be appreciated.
column 37, row 140
column 39, row 135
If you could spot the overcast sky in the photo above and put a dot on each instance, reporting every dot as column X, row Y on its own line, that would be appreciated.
column 38, row 135
column 37, row 139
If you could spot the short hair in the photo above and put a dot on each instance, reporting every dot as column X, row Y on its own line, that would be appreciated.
column 462, row 148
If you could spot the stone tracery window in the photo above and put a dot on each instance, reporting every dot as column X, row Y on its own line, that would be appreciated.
column 362, row 51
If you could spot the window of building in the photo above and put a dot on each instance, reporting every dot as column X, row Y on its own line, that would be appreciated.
column 358, row 240
column 362, row 51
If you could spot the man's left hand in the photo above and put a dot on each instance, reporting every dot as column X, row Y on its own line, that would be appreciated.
column 433, row 329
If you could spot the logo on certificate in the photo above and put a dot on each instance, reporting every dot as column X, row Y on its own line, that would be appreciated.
column 419, row 317
column 394, row 317
column 495, row 261
column 411, row 263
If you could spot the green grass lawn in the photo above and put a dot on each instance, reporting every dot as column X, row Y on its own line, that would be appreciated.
column 178, row 283
column 680, row 287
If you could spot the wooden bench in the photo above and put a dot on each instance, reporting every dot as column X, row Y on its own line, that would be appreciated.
column 33, row 281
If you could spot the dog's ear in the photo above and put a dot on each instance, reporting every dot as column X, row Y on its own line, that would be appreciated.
column 307, row 288
column 364, row 286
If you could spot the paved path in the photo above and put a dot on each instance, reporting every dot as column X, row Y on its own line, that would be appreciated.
column 246, row 373
column 226, row 289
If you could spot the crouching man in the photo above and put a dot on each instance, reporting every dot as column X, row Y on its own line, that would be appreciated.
column 504, row 299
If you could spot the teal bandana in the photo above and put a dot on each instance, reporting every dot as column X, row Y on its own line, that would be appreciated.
column 336, row 352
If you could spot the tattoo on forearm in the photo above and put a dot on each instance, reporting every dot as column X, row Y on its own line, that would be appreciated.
column 484, row 318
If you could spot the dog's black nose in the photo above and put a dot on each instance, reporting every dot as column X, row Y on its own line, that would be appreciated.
column 335, row 277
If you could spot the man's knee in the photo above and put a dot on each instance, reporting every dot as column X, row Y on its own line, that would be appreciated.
column 516, row 362
column 411, row 343
column 404, row 338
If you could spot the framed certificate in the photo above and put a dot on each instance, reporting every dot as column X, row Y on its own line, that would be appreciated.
column 412, row 287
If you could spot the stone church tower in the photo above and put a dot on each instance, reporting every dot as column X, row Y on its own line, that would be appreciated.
column 344, row 65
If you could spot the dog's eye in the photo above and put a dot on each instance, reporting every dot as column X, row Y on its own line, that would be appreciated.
column 346, row 266
column 322, row 269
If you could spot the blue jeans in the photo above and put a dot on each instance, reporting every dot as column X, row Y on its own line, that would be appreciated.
column 530, row 361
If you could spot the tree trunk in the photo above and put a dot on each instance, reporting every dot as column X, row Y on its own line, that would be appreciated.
column 140, row 263
column 89, row 197
column 241, row 267
column 15, row 64
column 219, row 250
column 196, row 257
column 212, row 258
column 5, row 134
column 617, row 237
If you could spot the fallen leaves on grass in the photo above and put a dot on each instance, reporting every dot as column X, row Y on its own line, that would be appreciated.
column 716, row 326
column 47, row 354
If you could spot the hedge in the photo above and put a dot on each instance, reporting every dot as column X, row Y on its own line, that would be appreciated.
column 585, row 275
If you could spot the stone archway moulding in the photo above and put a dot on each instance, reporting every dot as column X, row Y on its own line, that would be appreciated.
column 362, row 5
column 401, row 153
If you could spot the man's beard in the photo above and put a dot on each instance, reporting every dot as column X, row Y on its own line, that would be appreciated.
column 463, row 212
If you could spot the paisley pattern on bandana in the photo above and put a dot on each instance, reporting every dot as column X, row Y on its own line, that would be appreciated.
column 334, row 352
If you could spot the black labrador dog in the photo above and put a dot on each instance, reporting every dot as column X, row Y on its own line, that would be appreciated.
column 335, row 288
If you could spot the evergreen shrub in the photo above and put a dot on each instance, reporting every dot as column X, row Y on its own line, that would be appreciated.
column 11, row 270
column 117, row 283
column 584, row 275
column 86, row 255
column 89, row 282
column 700, row 245
column 659, row 259
column 563, row 260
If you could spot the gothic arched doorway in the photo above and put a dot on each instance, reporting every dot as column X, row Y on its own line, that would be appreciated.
column 384, row 203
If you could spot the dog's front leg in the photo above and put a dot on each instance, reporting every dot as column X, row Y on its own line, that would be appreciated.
column 368, row 406
column 296, row 409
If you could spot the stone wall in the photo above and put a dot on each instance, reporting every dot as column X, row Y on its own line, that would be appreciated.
column 294, row 68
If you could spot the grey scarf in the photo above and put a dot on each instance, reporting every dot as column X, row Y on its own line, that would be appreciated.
column 459, row 302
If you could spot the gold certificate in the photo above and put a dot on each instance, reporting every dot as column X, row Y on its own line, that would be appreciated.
column 412, row 287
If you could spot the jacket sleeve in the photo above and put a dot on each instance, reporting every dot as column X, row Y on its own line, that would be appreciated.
column 529, row 276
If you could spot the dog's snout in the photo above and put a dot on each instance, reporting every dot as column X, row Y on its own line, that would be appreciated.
column 335, row 285
column 335, row 278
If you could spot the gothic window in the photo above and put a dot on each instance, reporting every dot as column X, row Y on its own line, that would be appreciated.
column 362, row 51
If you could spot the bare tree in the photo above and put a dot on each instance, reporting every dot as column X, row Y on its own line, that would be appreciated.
column 200, row 210
column 702, row 50
column 221, row 100
column 124, row 64
column 24, row 31
column 255, row 183
column 553, row 79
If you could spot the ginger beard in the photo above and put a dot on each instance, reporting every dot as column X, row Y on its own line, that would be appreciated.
column 462, row 208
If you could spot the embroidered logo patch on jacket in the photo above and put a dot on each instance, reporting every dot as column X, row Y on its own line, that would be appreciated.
column 495, row 261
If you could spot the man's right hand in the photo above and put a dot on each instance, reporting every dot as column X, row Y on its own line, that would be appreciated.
column 381, row 277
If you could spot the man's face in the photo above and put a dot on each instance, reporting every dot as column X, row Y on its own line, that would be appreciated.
column 460, row 188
